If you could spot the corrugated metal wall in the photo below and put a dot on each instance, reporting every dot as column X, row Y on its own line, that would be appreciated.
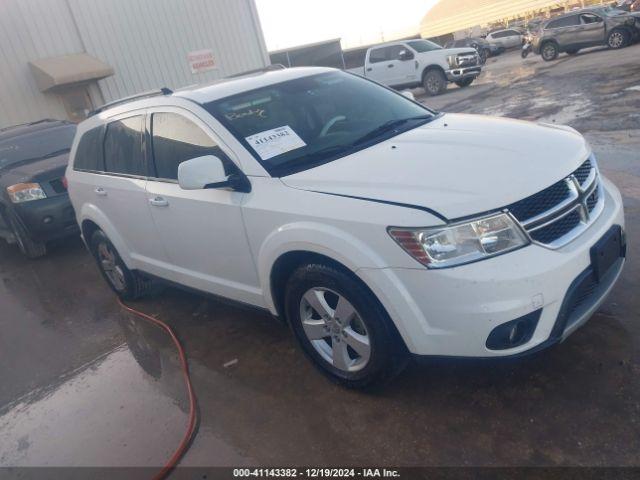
column 31, row 29
column 145, row 41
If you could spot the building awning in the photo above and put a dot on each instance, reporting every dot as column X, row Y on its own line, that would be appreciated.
column 54, row 72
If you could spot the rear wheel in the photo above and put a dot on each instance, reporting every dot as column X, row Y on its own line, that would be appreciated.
column 618, row 39
column 434, row 82
column 549, row 51
column 342, row 327
column 126, row 284
column 29, row 247
column 465, row 83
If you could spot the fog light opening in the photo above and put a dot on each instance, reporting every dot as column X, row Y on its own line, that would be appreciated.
column 514, row 333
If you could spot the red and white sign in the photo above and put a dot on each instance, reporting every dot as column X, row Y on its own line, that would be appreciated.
column 201, row 61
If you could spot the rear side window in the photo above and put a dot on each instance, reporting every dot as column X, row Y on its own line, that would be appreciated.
column 176, row 139
column 123, row 147
column 89, row 152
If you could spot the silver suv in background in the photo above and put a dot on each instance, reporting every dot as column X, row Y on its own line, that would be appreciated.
column 585, row 28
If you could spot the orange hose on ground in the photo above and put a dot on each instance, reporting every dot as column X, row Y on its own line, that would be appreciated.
column 191, row 427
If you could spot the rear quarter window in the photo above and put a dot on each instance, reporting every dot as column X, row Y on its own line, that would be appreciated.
column 89, row 152
column 123, row 147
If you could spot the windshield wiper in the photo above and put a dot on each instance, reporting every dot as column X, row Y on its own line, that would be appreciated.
column 389, row 126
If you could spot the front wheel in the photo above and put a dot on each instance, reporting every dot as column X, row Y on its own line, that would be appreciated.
column 342, row 327
column 618, row 39
column 30, row 248
column 549, row 51
column 465, row 82
column 128, row 285
column 434, row 82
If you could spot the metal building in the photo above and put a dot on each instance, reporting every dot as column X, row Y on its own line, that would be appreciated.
column 62, row 58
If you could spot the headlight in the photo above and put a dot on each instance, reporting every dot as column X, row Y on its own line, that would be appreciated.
column 466, row 242
column 25, row 192
column 453, row 60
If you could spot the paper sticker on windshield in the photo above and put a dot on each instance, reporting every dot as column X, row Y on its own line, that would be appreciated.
column 271, row 143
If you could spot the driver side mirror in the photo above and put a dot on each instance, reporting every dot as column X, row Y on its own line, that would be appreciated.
column 404, row 55
column 208, row 172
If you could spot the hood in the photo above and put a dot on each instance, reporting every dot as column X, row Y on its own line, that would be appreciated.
column 36, row 170
column 457, row 165
column 458, row 51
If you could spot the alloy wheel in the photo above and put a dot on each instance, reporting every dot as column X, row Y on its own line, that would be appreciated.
column 616, row 40
column 110, row 267
column 549, row 52
column 335, row 329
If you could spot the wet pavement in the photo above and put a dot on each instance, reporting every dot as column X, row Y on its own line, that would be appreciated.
column 83, row 383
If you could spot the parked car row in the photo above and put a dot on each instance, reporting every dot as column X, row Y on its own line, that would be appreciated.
column 585, row 28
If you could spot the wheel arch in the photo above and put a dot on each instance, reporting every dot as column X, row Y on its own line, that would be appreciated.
column 433, row 66
column 92, row 219
column 287, row 264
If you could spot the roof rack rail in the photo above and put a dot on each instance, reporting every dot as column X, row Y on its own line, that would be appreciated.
column 268, row 68
column 138, row 96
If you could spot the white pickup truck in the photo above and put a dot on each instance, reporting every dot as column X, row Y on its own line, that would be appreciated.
column 414, row 63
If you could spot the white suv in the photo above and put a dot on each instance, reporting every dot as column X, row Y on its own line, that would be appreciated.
column 376, row 227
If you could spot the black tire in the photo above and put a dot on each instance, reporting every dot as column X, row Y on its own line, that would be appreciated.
column 29, row 247
column 126, row 284
column 466, row 82
column 573, row 51
column 549, row 51
column 618, row 38
column 387, row 353
column 484, row 54
column 434, row 82
column 524, row 53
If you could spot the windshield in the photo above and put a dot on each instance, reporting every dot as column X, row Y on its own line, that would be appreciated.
column 302, row 123
column 422, row 46
column 35, row 145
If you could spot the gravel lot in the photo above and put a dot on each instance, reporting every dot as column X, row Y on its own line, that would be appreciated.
column 72, row 364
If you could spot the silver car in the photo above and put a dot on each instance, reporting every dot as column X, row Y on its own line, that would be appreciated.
column 508, row 38
column 585, row 28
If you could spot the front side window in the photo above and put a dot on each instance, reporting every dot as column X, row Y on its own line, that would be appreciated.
column 422, row 46
column 123, row 147
column 589, row 18
column 176, row 139
column 298, row 124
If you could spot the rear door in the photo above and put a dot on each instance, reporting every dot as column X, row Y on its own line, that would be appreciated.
column 119, row 191
column 202, row 231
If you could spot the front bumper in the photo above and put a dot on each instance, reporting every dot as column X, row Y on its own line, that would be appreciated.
column 457, row 74
column 48, row 219
column 451, row 312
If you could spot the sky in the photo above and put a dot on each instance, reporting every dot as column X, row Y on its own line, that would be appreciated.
column 287, row 23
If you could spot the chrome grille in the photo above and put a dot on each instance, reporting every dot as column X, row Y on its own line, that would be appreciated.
column 559, row 213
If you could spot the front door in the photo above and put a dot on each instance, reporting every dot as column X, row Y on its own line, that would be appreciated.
column 401, row 72
column 591, row 30
column 202, row 230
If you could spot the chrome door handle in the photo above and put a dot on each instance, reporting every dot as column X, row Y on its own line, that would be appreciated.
column 159, row 202
column 101, row 192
